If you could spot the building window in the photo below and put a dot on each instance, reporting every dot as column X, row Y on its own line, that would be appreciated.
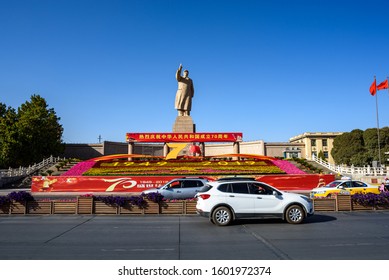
column 325, row 154
column 313, row 142
column 324, row 142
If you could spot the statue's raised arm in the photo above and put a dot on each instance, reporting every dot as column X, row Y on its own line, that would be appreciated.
column 185, row 92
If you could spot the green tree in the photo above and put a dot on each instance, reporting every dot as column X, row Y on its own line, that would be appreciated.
column 361, row 147
column 39, row 131
column 370, row 138
column 9, row 145
column 384, row 140
column 347, row 145
column 321, row 155
column 31, row 134
column 3, row 109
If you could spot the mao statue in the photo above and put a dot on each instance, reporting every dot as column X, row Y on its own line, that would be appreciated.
column 184, row 93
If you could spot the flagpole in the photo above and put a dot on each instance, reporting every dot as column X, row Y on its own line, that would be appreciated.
column 378, row 128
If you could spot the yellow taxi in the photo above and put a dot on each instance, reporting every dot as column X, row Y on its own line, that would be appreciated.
column 343, row 187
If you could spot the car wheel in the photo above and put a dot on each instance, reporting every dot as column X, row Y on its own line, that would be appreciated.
column 294, row 214
column 222, row 216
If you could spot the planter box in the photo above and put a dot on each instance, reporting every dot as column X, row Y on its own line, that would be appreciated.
column 84, row 205
column 38, row 207
column 182, row 207
column 5, row 209
column 190, row 207
column 358, row 207
column 100, row 207
column 17, row 208
column 151, row 208
column 176, row 207
column 343, row 203
column 130, row 209
column 324, row 204
column 64, row 207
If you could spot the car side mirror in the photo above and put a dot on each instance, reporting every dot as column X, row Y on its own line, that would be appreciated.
column 275, row 193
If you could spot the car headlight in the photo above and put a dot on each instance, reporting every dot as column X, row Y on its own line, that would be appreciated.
column 319, row 192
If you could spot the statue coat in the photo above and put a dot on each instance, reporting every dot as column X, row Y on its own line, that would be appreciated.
column 185, row 92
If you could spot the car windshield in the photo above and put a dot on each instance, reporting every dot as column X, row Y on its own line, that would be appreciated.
column 333, row 184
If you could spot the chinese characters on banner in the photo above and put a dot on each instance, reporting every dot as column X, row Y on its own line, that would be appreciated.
column 185, row 137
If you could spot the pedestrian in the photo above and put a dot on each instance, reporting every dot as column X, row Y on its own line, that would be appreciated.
column 382, row 188
column 321, row 183
column 386, row 184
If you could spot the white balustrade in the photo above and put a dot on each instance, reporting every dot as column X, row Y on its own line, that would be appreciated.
column 25, row 171
column 351, row 170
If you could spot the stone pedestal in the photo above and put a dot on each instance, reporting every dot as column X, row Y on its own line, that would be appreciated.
column 184, row 124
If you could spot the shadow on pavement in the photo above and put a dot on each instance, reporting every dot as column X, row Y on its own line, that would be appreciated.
column 317, row 218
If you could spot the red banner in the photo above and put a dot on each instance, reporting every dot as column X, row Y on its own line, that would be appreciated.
column 304, row 182
column 139, row 183
column 97, row 183
column 185, row 137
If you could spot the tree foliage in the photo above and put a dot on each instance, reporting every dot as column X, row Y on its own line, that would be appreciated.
column 8, row 136
column 321, row 155
column 360, row 148
column 30, row 134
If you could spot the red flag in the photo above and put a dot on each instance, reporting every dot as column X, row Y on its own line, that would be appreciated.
column 373, row 88
column 383, row 85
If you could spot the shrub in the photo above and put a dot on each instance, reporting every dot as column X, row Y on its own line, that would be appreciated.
column 21, row 196
column 4, row 200
column 121, row 201
column 154, row 197
column 138, row 201
column 372, row 200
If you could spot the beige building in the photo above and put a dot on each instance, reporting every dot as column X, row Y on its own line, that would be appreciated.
column 316, row 142
column 301, row 146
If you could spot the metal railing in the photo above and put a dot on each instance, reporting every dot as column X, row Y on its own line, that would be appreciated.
column 351, row 170
column 25, row 171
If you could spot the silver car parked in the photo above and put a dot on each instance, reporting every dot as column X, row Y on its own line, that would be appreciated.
column 180, row 188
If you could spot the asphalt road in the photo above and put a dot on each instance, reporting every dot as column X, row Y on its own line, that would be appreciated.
column 327, row 236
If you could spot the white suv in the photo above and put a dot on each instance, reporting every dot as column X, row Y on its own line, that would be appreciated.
column 226, row 200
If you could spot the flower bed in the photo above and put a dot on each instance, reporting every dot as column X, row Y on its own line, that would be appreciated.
column 143, row 165
column 371, row 200
column 154, row 168
column 79, row 168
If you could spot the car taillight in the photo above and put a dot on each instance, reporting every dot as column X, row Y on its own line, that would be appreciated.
column 205, row 196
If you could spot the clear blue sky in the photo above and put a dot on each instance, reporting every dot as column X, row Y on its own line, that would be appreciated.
column 269, row 69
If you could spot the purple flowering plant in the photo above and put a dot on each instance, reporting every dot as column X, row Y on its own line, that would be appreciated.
column 4, row 200
column 371, row 199
column 124, row 201
column 154, row 197
column 21, row 196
